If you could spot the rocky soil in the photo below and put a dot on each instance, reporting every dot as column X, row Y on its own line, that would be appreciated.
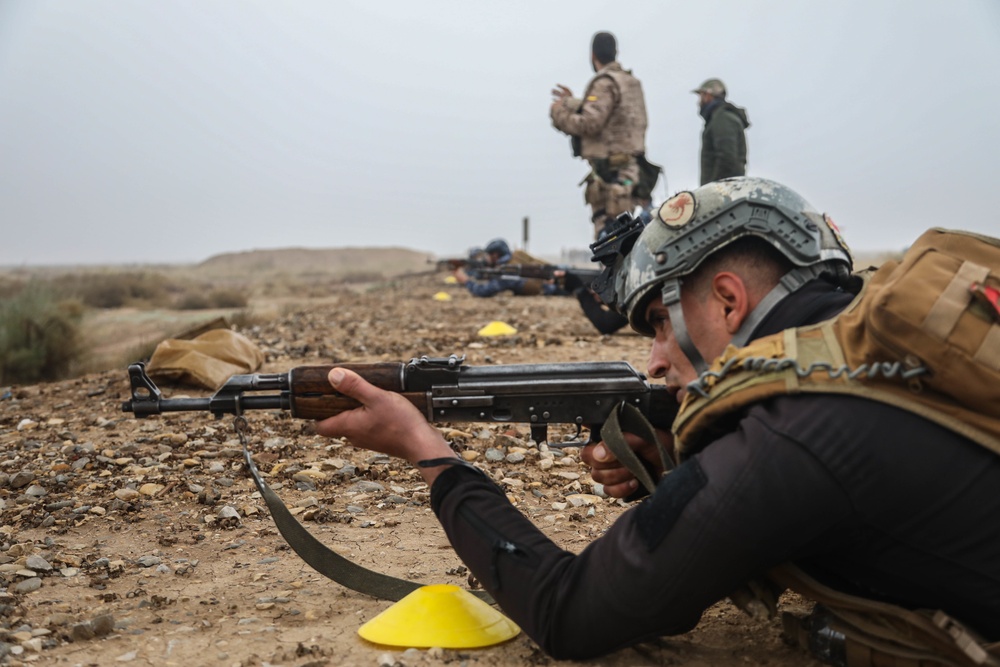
column 126, row 541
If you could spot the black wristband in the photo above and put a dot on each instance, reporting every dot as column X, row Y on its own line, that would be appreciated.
column 445, row 461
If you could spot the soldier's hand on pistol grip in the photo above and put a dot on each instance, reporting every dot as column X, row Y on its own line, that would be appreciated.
column 607, row 470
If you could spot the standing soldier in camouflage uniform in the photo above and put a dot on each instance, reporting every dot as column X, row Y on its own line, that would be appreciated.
column 608, row 127
column 724, row 140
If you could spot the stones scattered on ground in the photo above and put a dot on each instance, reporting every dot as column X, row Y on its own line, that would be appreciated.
column 71, row 464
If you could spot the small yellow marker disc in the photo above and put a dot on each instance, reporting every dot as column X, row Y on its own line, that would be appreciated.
column 442, row 296
column 439, row 615
column 451, row 280
column 496, row 328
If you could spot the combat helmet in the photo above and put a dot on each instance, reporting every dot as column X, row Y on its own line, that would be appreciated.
column 499, row 247
column 691, row 226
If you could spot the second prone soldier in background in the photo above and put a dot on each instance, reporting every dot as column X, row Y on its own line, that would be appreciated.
column 497, row 253
column 608, row 129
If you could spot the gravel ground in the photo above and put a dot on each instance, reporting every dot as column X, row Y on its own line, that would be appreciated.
column 144, row 541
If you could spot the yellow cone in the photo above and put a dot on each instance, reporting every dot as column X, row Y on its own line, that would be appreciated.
column 442, row 296
column 496, row 328
column 439, row 615
column 451, row 280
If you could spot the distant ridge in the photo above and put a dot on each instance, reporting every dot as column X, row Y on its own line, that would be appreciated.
column 385, row 262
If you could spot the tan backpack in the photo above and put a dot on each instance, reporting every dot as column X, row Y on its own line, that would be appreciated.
column 924, row 335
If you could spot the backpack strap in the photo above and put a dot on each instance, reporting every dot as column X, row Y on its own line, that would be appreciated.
column 954, row 300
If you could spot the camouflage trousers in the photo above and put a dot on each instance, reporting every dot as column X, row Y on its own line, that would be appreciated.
column 608, row 200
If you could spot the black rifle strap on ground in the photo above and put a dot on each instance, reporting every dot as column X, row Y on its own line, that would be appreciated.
column 628, row 419
column 317, row 555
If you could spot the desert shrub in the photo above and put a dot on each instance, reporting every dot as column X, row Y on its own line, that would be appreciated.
column 227, row 298
column 115, row 289
column 9, row 287
column 104, row 291
column 193, row 300
column 39, row 336
column 199, row 299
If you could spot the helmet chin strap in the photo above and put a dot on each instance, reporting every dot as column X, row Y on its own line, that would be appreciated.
column 672, row 300
column 790, row 282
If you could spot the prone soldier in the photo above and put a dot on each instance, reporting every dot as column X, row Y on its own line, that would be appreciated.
column 861, row 485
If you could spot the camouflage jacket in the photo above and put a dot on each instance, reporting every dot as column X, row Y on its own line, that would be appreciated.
column 611, row 117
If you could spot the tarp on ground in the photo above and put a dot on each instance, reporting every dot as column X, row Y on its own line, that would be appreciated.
column 207, row 360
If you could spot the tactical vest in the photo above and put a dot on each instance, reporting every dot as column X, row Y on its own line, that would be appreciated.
column 531, row 286
column 521, row 257
column 625, row 131
column 923, row 334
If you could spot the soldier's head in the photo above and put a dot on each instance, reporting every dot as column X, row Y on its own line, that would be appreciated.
column 603, row 49
column 709, row 91
column 498, row 252
column 713, row 263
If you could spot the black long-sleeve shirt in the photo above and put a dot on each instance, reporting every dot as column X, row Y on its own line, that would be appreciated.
column 866, row 497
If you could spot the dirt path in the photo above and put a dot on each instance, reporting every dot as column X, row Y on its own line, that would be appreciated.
column 112, row 549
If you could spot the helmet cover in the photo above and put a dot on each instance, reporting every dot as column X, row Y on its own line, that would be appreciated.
column 691, row 226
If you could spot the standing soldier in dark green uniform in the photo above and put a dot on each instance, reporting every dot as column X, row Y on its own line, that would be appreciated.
column 608, row 127
column 724, row 140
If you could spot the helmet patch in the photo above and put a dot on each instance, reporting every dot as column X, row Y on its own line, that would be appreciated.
column 678, row 210
column 836, row 234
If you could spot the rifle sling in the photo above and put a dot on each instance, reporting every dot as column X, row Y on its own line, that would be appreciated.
column 362, row 580
column 325, row 560
column 629, row 419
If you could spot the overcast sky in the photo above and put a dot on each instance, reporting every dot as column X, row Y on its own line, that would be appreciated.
column 135, row 132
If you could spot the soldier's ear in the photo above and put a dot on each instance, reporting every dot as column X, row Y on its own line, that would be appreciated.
column 730, row 297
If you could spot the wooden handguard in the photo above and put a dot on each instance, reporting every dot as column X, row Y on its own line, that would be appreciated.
column 312, row 396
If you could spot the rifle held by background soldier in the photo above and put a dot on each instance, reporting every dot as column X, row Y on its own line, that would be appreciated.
column 453, row 263
column 568, row 278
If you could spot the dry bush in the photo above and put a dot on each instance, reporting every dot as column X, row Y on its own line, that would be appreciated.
column 10, row 286
column 228, row 298
column 116, row 289
column 193, row 300
column 39, row 336
column 199, row 299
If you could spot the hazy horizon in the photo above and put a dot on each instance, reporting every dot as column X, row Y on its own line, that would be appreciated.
column 168, row 133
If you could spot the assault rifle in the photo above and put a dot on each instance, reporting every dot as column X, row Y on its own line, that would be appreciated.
column 569, row 278
column 607, row 394
column 453, row 263
column 584, row 394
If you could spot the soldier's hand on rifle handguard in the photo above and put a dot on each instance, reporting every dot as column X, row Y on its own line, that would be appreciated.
column 386, row 422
